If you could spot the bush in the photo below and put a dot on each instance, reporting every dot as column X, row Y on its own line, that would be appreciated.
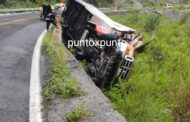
column 77, row 115
column 151, row 23
column 3, row 2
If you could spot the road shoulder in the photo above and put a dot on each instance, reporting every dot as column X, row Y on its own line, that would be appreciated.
column 92, row 100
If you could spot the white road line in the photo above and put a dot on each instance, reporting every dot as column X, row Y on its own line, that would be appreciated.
column 35, row 97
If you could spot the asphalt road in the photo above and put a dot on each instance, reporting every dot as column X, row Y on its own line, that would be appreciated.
column 18, row 35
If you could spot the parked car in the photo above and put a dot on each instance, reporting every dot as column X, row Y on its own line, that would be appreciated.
column 83, row 21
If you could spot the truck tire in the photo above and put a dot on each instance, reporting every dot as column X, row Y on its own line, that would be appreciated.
column 106, row 74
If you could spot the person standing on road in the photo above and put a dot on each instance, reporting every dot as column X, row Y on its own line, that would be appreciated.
column 50, row 19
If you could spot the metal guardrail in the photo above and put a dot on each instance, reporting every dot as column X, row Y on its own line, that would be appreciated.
column 18, row 10
column 104, row 10
column 108, row 11
column 121, row 11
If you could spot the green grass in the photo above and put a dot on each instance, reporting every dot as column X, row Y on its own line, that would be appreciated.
column 18, row 4
column 76, row 115
column 84, row 65
column 158, row 89
column 60, row 83
column 23, row 3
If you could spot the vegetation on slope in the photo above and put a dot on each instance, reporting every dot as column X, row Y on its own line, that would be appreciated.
column 163, row 2
column 158, row 89
column 60, row 83
column 78, row 114
column 25, row 3
column 17, row 4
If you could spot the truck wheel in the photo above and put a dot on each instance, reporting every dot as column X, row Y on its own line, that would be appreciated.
column 79, row 55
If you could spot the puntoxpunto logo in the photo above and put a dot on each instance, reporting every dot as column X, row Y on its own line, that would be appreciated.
column 91, row 43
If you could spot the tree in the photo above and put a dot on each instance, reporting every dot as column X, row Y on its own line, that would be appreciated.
column 3, row 1
column 37, row 1
column 94, row 2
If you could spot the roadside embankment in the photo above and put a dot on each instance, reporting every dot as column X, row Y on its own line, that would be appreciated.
column 69, row 94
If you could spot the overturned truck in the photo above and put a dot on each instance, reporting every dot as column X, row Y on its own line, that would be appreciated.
column 107, row 46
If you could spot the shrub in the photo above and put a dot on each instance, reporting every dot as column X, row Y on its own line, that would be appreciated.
column 151, row 23
column 78, row 114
